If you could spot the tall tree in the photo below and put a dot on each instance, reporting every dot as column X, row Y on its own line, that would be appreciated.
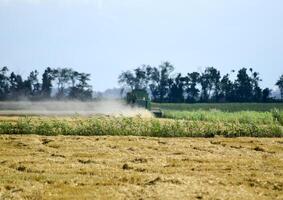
column 257, row 91
column 279, row 83
column 47, row 78
column 176, row 91
column 244, row 87
column 265, row 94
column 160, row 81
column 34, row 83
column 191, row 89
column 210, row 82
column 127, row 79
column 165, row 72
column 82, row 90
column 154, row 83
column 4, row 83
column 18, row 88
column 85, row 88
column 226, row 89
column 63, row 79
column 157, row 80
column 138, row 79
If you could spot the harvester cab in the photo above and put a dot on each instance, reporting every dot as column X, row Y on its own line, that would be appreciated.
column 140, row 98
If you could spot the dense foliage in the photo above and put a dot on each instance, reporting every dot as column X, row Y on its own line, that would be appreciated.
column 163, row 84
column 63, row 82
column 209, row 86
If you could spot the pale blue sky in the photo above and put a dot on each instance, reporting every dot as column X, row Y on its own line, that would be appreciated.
column 105, row 37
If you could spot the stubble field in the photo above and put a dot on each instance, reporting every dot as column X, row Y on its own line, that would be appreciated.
column 115, row 167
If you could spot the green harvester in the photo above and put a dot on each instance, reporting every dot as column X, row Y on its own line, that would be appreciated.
column 140, row 98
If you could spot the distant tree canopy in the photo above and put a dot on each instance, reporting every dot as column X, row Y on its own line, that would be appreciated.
column 162, row 83
column 209, row 86
column 70, row 84
column 279, row 83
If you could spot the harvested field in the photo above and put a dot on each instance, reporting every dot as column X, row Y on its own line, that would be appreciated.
column 112, row 167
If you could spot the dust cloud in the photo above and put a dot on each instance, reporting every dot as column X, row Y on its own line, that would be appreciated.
column 63, row 108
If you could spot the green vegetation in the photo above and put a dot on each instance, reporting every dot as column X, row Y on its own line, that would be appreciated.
column 278, row 116
column 137, row 127
column 219, row 116
column 209, row 86
column 180, row 120
column 71, row 84
column 225, row 107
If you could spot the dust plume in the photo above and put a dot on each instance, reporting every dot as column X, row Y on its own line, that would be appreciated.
column 62, row 108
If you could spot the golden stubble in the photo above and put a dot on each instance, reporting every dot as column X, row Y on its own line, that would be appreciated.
column 71, row 167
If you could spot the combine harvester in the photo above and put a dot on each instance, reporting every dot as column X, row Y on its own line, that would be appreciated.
column 140, row 98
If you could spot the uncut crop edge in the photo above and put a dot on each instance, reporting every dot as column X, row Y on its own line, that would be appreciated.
column 122, row 126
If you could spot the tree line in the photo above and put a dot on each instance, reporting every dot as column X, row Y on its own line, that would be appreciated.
column 56, row 83
column 209, row 86
column 162, row 83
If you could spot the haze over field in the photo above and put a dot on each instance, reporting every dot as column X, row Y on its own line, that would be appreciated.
column 63, row 108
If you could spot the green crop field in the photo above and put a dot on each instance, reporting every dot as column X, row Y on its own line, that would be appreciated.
column 243, row 117
column 179, row 120
column 245, row 113
column 138, row 126
column 226, row 107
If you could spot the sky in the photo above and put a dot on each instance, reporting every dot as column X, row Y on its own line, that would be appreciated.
column 106, row 37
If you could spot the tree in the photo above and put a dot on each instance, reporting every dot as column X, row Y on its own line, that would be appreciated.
column 160, row 79
column 74, row 92
column 191, row 89
column 157, row 80
column 244, row 86
column 257, row 94
column 4, row 83
column 265, row 94
column 34, row 83
column 154, row 83
column 165, row 72
column 127, row 79
column 138, row 79
column 226, row 89
column 47, row 78
column 82, row 90
column 176, row 91
column 63, row 78
column 18, row 88
column 257, row 91
column 279, row 83
column 209, row 81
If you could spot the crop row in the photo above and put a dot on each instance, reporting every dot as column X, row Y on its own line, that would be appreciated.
column 273, row 117
column 225, row 107
column 137, row 127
